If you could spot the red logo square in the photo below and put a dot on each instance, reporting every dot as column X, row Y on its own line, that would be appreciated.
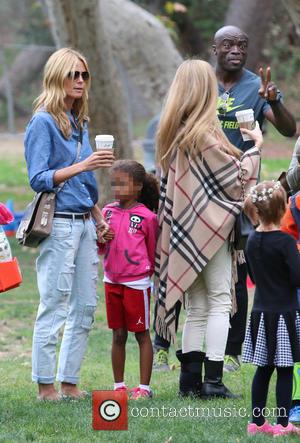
column 110, row 411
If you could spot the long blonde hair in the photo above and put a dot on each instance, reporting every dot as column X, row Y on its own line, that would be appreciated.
column 189, row 116
column 57, row 68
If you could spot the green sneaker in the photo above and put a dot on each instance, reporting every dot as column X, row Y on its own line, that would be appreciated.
column 231, row 363
column 160, row 362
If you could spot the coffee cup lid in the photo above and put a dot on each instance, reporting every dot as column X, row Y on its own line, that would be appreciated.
column 104, row 138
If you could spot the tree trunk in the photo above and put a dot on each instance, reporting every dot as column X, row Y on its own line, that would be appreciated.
column 144, row 47
column 79, row 24
column 27, row 65
column 293, row 8
column 254, row 18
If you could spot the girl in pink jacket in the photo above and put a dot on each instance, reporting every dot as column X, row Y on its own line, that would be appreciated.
column 128, row 266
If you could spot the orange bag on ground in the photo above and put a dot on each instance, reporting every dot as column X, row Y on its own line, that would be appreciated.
column 10, row 275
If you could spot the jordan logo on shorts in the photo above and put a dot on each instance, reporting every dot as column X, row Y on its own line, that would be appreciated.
column 139, row 322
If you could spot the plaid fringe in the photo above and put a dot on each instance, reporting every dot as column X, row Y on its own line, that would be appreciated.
column 165, row 324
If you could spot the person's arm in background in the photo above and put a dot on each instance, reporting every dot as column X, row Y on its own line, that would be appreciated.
column 281, row 118
column 278, row 114
column 293, row 173
column 292, row 260
column 288, row 223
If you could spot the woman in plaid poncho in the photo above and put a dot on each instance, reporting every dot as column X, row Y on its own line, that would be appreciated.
column 200, row 199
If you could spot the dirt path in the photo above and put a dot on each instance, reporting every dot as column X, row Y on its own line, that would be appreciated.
column 11, row 145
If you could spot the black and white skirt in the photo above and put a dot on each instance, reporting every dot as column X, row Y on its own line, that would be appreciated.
column 272, row 339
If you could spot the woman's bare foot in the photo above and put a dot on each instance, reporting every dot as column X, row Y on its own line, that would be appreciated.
column 72, row 391
column 48, row 392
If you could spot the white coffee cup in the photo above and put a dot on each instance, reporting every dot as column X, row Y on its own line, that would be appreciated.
column 245, row 119
column 104, row 141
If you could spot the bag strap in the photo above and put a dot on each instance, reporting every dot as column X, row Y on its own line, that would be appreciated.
column 79, row 145
column 78, row 150
column 243, row 184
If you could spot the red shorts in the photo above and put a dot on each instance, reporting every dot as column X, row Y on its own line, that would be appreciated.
column 127, row 308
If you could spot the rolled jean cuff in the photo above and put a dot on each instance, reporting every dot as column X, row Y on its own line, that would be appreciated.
column 43, row 380
column 67, row 379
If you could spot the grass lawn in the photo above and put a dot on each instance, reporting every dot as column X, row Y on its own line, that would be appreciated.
column 23, row 418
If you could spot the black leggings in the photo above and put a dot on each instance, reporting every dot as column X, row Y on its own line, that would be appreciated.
column 236, row 333
column 260, row 387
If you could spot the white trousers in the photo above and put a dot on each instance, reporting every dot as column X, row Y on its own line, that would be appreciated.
column 208, row 308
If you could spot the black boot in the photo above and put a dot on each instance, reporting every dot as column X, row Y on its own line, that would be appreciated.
column 213, row 386
column 190, row 381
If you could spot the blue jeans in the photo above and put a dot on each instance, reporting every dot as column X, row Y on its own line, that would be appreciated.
column 67, row 275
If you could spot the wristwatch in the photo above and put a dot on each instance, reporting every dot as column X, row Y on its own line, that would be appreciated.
column 278, row 98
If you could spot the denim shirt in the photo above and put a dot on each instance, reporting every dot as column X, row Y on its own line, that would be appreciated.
column 46, row 151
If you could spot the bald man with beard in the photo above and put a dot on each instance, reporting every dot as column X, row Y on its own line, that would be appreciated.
column 241, row 89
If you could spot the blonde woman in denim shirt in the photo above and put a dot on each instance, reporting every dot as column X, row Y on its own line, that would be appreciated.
column 67, row 264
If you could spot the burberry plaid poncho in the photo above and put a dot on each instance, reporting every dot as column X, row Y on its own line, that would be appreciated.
column 199, row 201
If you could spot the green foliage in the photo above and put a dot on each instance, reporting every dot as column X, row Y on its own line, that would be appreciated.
column 14, row 182
column 271, row 168
column 13, row 172
column 24, row 22
column 38, row 31
column 281, row 47
column 208, row 15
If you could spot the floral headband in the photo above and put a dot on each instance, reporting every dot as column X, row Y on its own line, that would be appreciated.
column 264, row 194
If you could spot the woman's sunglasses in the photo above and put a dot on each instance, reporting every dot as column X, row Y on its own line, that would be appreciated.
column 85, row 75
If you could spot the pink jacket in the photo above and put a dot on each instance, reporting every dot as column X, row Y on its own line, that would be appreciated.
column 130, row 255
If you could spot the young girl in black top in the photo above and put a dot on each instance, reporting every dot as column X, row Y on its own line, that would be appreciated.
column 273, row 333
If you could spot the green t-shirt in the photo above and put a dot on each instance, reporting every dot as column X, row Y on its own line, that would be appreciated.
column 243, row 95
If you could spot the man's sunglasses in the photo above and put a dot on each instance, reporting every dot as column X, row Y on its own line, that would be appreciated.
column 76, row 74
column 223, row 106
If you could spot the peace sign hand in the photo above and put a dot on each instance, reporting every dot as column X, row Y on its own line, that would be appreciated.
column 268, row 89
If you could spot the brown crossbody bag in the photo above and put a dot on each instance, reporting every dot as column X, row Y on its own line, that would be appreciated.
column 36, row 223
